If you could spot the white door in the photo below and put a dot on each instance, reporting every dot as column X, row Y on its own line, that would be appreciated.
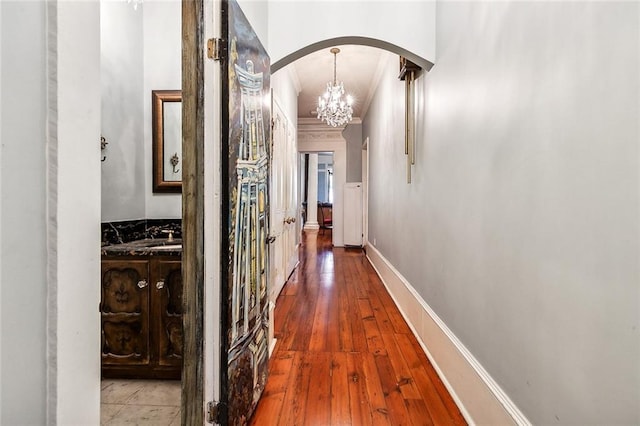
column 284, row 214
column 291, row 200
column 278, row 206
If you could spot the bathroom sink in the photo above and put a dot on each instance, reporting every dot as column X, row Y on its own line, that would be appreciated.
column 162, row 245
column 157, row 243
column 166, row 247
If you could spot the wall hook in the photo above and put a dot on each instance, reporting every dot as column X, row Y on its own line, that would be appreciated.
column 174, row 162
column 103, row 146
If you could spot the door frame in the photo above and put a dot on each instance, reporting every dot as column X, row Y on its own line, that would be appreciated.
column 315, row 138
column 198, row 19
column 365, row 182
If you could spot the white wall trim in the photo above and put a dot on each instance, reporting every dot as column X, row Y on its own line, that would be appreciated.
column 212, row 193
column 52, row 208
column 480, row 399
column 1, row 219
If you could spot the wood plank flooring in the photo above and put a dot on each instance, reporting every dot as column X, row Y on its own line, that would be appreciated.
column 344, row 354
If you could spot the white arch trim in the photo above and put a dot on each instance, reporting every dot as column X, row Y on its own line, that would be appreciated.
column 406, row 27
column 364, row 41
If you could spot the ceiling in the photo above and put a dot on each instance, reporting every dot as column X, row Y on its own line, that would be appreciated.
column 359, row 67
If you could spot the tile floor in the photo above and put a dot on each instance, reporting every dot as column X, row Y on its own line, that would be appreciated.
column 140, row 402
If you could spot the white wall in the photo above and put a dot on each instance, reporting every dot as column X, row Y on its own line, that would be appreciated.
column 525, row 199
column 162, row 46
column 293, row 25
column 285, row 90
column 50, row 107
column 123, row 119
column 23, row 302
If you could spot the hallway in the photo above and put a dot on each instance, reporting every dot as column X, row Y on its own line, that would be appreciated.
column 344, row 354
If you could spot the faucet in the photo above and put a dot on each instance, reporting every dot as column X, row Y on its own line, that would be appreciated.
column 170, row 232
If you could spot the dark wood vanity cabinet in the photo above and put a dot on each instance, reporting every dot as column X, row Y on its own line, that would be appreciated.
column 141, row 310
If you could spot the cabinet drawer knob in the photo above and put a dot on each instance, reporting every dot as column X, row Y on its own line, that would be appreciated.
column 160, row 285
column 142, row 283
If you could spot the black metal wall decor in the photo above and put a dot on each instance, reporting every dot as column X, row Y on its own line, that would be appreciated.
column 408, row 73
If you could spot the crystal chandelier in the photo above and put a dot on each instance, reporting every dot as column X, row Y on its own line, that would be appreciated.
column 135, row 3
column 332, row 107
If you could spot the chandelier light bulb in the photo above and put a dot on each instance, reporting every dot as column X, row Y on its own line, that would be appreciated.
column 135, row 3
column 332, row 107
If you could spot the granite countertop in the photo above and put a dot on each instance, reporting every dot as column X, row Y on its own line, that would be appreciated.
column 146, row 247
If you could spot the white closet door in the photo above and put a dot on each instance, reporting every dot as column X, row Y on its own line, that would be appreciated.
column 284, row 201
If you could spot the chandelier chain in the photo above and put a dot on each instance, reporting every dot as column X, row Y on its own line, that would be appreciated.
column 335, row 57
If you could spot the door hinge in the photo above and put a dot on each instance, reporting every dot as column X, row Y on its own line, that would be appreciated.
column 214, row 48
column 213, row 412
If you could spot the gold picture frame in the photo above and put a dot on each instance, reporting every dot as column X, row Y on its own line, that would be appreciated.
column 167, row 140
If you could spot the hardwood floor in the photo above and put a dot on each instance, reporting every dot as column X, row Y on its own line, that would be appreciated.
column 344, row 354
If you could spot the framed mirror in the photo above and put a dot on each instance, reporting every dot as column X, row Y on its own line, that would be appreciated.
column 167, row 140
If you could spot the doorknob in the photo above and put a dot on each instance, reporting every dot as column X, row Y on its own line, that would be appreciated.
column 160, row 285
column 142, row 283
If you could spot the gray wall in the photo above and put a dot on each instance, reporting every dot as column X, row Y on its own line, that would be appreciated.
column 520, row 228
column 257, row 12
column 162, row 71
column 352, row 133
column 123, row 178
column 140, row 52
column 22, row 213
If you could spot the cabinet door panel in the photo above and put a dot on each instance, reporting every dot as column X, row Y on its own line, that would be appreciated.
column 125, row 312
column 167, row 285
column 123, row 338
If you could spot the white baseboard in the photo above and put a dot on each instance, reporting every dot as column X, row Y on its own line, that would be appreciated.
column 479, row 397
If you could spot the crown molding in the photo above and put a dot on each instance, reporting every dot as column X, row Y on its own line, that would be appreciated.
column 313, row 124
